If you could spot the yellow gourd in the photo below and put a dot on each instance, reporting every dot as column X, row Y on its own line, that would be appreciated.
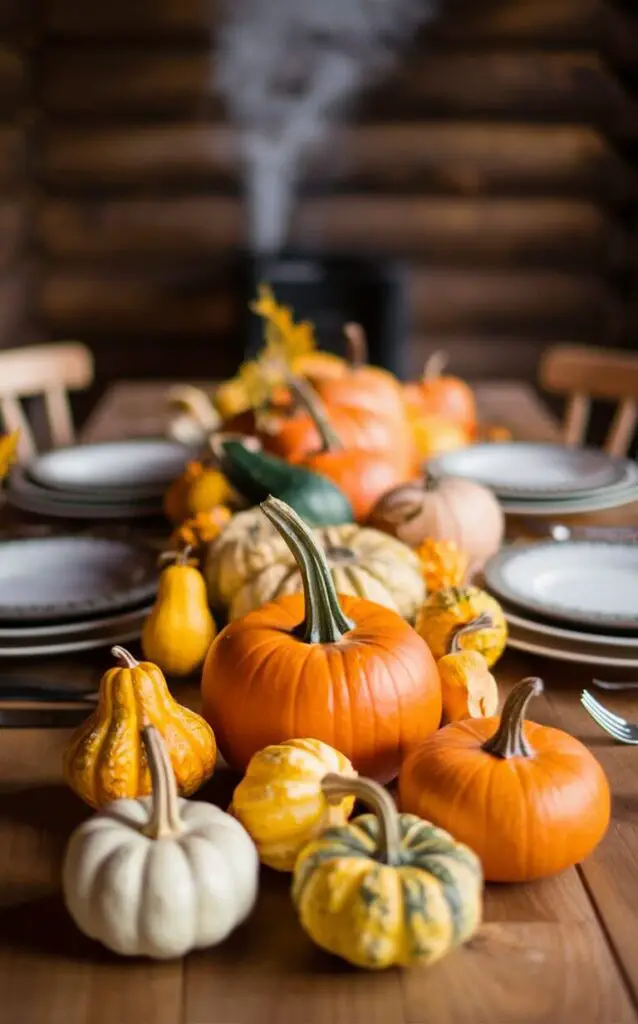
column 443, row 564
column 468, row 688
column 455, row 606
column 8, row 451
column 180, row 628
column 201, row 530
column 387, row 889
column 280, row 801
column 105, row 758
column 199, row 489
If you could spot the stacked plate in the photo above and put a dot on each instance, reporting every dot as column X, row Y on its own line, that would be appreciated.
column 575, row 600
column 544, row 479
column 62, row 594
column 120, row 480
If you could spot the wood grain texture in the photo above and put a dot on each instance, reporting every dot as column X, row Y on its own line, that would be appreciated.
column 541, row 232
column 430, row 157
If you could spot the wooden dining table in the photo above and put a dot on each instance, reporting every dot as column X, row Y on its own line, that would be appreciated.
column 557, row 951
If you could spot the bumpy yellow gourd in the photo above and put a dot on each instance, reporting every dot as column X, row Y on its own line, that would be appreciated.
column 280, row 801
column 468, row 688
column 386, row 889
column 199, row 489
column 105, row 758
column 455, row 606
column 443, row 564
column 180, row 628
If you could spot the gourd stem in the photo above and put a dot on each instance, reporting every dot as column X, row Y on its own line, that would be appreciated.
column 324, row 622
column 124, row 657
column 380, row 803
column 164, row 820
column 435, row 365
column 483, row 621
column 330, row 441
column 509, row 739
column 356, row 345
column 181, row 557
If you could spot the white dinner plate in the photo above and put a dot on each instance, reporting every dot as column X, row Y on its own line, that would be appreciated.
column 71, row 646
column 613, row 497
column 53, row 631
column 520, row 640
column 522, row 470
column 141, row 465
column 54, row 578
column 544, row 630
column 591, row 583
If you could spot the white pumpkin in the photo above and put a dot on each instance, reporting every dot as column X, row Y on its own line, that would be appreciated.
column 160, row 876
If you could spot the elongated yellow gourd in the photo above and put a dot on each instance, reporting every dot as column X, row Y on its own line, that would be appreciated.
column 180, row 628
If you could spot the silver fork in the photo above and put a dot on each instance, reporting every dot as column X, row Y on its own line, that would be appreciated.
column 619, row 728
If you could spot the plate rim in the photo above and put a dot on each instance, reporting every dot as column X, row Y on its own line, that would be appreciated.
column 614, row 498
column 80, row 626
column 562, row 633
column 48, row 484
column 122, row 600
column 516, row 644
column 502, row 589
column 69, row 647
column 620, row 466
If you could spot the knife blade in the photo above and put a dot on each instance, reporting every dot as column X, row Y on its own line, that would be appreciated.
column 42, row 718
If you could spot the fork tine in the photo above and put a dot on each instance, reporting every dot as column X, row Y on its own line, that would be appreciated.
column 608, row 727
column 588, row 699
column 621, row 731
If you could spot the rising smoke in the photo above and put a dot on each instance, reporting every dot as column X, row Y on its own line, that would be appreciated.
column 287, row 69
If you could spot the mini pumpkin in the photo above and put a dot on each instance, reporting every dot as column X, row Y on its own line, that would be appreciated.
column 160, row 876
column 468, row 688
column 105, row 758
column 280, row 801
column 251, row 564
column 449, row 509
column 343, row 670
column 443, row 564
column 387, row 889
column 445, row 610
column 529, row 799
column 444, row 396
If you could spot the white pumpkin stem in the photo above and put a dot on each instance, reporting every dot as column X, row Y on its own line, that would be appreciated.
column 483, row 621
column 374, row 796
column 356, row 345
column 330, row 441
column 124, row 657
column 164, row 821
column 509, row 739
column 435, row 365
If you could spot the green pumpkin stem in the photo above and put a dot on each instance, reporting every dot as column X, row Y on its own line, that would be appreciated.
column 374, row 796
column 324, row 621
column 306, row 398
column 483, row 621
column 509, row 739
column 164, row 821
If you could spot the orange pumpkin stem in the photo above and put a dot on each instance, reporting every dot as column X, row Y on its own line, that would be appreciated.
column 124, row 657
column 330, row 441
column 356, row 345
column 374, row 796
column 324, row 621
column 435, row 365
column 509, row 739
column 164, row 821
column 483, row 621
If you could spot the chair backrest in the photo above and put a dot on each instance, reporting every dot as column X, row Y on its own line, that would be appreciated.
column 584, row 374
column 48, row 370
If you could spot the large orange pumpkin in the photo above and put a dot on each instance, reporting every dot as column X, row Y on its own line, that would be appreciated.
column 528, row 799
column 444, row 396
column 338, row 669
column 363, row 476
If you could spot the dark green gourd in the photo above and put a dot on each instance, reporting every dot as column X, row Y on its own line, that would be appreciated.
column 256, row 475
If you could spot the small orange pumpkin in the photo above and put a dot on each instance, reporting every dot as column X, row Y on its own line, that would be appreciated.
column 448, row 397
column 342, row 670
column 528, row 799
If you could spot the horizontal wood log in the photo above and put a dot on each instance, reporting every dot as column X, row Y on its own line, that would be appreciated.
column 12, row 156
column 526, row 85
column 530, row 304
column 545, row 233
column 443, row 158
column 15, row 296
column 557, row 21
column 443, row 302
column 480, row 357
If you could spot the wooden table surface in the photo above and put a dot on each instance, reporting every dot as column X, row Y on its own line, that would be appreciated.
column 559, row 951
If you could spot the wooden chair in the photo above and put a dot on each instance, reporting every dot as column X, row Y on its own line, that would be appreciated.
column 48, row 370
column 584, row 374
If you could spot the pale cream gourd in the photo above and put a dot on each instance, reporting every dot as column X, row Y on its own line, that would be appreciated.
column 250, row 565
column 159, row 876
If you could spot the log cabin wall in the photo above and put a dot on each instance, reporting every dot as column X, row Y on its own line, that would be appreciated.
column 498, row 161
